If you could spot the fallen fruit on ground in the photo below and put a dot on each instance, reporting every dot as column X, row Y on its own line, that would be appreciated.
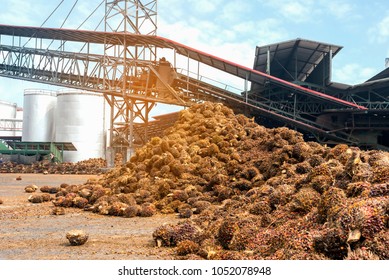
column 244, row 191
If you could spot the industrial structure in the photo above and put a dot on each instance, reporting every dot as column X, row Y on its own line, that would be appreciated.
column 309, row 64
column 10, row 119
column 60, row 117
column 289, row 84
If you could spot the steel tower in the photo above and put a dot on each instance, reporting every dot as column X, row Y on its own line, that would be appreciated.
column 123, row 66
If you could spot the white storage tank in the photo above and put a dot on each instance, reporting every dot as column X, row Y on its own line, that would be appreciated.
column 19, row 122
column 38, row 115
column 7, row 112
column 80, row 119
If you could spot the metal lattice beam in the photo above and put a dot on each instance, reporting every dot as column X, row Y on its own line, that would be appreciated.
column 137, row 17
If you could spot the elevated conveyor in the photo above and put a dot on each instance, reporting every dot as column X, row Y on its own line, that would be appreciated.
column 136, row 39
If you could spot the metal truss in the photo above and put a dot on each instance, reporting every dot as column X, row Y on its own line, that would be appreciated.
column 86, row 72
column 300, row 108
column 82, row 71
column 371, row 99
column 377, row 106
column 77, row 70
column 290, row 102
column 138, row 17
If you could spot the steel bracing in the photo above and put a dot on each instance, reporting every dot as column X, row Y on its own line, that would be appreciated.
column 137, row 17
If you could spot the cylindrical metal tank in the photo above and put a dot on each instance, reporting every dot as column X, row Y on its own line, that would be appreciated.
column 7, row 112
column 80, row 119
column 38, row 115
column 19, row 122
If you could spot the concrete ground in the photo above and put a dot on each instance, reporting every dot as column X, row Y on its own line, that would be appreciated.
column 31, row 232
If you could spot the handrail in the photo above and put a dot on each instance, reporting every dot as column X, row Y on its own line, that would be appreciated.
column 214, row 82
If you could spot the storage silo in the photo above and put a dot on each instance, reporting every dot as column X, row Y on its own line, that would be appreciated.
column 79, row 119
column 7, row 113
column 7, row 110
column 38, row 115
column 19, row 122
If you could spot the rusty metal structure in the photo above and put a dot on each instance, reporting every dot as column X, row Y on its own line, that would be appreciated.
column 130, row 79
column 309, row 64
column 290, row 83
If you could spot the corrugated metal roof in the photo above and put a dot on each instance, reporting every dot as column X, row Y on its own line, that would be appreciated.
column 294, row 59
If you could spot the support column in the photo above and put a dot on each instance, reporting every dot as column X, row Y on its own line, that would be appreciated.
column 121, row 67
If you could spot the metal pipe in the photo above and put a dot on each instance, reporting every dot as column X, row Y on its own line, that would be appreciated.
column 330, row 68
column 246, row 86
column 268, row 61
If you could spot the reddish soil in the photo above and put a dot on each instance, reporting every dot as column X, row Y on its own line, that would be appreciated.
column 31, row 232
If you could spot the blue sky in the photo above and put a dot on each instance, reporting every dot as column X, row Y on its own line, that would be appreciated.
column 233, row 28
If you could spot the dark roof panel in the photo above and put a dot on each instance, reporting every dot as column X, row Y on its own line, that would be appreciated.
column 381, row 75
column 293, row 60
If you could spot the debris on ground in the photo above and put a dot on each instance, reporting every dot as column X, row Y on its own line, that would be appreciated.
column 58, row 211
column 77, row 237
column 89, row 166
column 30, row 188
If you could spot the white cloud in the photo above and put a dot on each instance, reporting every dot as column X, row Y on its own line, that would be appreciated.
column 236, row 42
column 353, row 73
column 294, row 10
column 269, row 31
column 339, row 9
column 303, row 11
column 168, row 13
column 179, row 31
column 379, row 32
column 11, row 13
column 383, row 28
column 13, row 90
column 205, row 6
column 233, row 10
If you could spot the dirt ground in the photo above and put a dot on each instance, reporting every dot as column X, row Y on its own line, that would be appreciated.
column 31, row 232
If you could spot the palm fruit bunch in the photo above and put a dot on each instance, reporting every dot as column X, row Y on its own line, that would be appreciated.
column 77, row 237
column 246, row 191
column 89, row 166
